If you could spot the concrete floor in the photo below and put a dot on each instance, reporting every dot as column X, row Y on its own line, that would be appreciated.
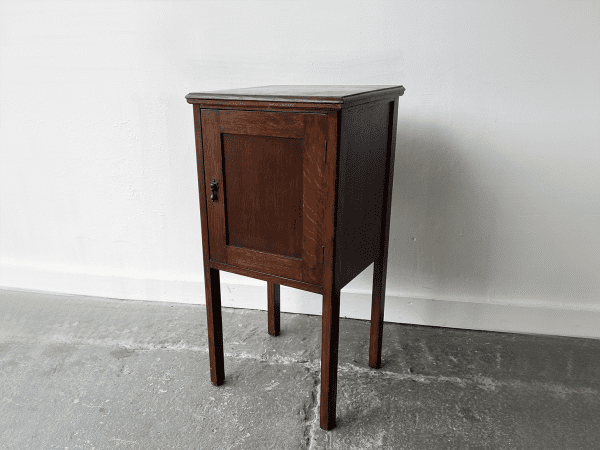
column 89, row 373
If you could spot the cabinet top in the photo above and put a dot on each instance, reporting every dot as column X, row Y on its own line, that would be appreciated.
column 337, row 96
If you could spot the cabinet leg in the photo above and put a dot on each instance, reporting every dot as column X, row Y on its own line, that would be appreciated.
column 329, row 357
column 273, row 308
column 380, row 266
column 215, row 326
column 377, row 309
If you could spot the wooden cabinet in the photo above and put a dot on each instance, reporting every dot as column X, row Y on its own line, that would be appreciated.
column 295, row 189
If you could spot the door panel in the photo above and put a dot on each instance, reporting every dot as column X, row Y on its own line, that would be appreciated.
column 263, row 176
column 269, row 210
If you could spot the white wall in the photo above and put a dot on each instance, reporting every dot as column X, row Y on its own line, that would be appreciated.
column 496, row 210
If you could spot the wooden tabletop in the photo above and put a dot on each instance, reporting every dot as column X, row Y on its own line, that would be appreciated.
column 332, row 94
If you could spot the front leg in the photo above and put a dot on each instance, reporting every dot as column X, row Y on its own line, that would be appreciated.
column 329, row 357
column 215, row 326
column 273, row 293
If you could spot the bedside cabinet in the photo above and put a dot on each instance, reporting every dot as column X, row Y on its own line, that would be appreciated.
column 296, row 189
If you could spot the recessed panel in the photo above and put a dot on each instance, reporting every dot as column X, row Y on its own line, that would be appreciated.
column 263, row 193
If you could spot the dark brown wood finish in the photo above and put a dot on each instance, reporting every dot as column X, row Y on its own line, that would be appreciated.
column 329, row 355
column 260, row 217
column 269, row 167
column 273, row 296
column 318, row 96
column 211, row 144
column 380, row 265
column 362, row 182
column 294, row 98
column 316, row 187
column 265, row 106
column 331, row 291
column 305, row 179
column 267, row 277
column 285, row 125
column 211, row 276
column 212, row 286
column 280, row 265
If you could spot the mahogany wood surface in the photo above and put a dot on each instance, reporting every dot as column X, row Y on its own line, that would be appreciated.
column 341, row 96
column 269, row 208
column 380, row 266
column 294, row 98
column 329, row 355
column 362, row 183
column 267, row 277
column 273, row 296
column 286, row 125
column 316, row 188
column 305, row 176
column 215, row 326
column 331, row 289
column 263, row 181
column 211, row 144
column 211, row 276
column 279, row 265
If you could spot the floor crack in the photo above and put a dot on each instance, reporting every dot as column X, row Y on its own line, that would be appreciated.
column 314, row 422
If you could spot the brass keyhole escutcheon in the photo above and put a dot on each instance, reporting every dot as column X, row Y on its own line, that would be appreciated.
column 214, row 187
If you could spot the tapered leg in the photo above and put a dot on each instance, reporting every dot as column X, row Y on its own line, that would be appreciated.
column 377, row 309
column 380, row 266
column 273, row 308
column 329, row 357
column 215, row 326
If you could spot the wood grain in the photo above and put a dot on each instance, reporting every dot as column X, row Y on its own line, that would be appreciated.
column 273, row 307
column 211, row 276
column 286, row 125
column 272, row 194
column 362, row 183
column 329, row 355
column 331, row 293
column 380, row 266
column 212, row 286
column 314, row 196
column 201, row 191
column 334, row 95
column 273, row 106
column 211, row 138
column 279, row 265
column 267, row 277
column 305, row 179
column 263, row 176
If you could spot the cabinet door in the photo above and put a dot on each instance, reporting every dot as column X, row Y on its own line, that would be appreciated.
column 269, row 207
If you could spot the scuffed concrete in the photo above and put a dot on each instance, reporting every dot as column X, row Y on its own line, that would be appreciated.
column 81, row 396
column 94, row 373
column 383, row 410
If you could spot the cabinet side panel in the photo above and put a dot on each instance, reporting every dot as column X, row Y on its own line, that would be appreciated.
column 361, row 187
